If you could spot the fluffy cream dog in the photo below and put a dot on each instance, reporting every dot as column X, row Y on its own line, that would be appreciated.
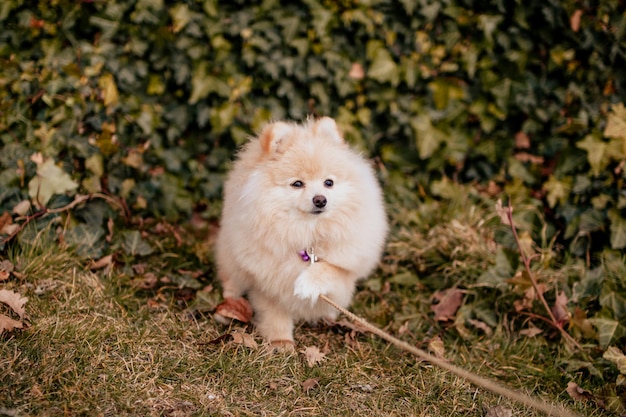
column 303, row 215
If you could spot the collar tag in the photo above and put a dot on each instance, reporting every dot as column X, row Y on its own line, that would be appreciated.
column 308, row 256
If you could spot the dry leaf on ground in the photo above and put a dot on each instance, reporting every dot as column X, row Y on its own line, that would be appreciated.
column 559, row 310
column 8, row 324
column 22, row 208
column 577, row 393
column 436, row 347
column 15, row 301
column 310, row 383
column 245, row 339
column 449, row 301
column 6, row 267
column 102, row 262
column 5, row 220
column 233, row 308
column 503, row 212
column 499, row 411
column 313, row 355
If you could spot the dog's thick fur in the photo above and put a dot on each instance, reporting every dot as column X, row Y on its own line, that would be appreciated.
column 295, row 187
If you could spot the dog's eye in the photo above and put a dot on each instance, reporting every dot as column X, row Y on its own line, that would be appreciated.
column 297, row 184
column 329, row 183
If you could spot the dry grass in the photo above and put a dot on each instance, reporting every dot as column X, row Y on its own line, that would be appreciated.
column 97, row 346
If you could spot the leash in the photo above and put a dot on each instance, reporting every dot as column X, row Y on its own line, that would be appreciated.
column 527, row 400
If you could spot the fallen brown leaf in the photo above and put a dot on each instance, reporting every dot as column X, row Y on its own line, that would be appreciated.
column 499, row 411
column 313, row 355
column 5, row 220
column 8, row 324
column 6, row 267
column 245, row 339
column 559, row 310
column 102, row 262
column 503, row 212
column 436, row 347
column 15, row 301
column 233, row 308
column 22, row 208
column 577, row 393
column 449, row 301
column 309, row 384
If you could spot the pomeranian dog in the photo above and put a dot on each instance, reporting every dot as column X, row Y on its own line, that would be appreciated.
column 303, row 215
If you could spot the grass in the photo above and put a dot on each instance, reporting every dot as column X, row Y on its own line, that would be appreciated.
column 99, row 344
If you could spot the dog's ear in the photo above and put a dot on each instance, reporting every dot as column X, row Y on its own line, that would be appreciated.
column 273, row 137
column 328, row 128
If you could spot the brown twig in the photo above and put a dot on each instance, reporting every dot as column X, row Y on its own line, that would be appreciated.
column 526, row 261
column 79, row 199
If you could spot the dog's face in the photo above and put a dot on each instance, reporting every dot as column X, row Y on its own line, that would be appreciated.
column 312, row 195
column 306, row 171
column 309, row 181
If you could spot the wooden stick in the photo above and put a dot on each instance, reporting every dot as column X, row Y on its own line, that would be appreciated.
column 527, row 400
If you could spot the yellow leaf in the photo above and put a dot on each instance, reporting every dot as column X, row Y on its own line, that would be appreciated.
column 181, row 16
column 557, row 191
column 616, row 123
column 109, row 89
column 50, row 180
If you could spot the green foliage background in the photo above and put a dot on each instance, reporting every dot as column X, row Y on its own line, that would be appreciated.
column 148, row 99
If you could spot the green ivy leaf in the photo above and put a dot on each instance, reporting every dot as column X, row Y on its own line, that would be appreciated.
column 618, row 230
column 382, row 67
column 428, row 137
column 87, row 240
column 557, row 190
column 497, row 274
column 596, row 153
column 615, row 355
column 607, row 329
column 203, row 84
column 614, row 301
column 133, row 244
column 181, row 16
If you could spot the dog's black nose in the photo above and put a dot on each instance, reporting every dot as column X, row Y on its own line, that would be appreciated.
column 319, row 201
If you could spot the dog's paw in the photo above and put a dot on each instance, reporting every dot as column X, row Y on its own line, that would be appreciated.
column 306, row 288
